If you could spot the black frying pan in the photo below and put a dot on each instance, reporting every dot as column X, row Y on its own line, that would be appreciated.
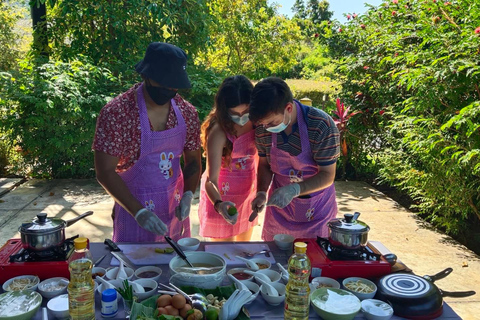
column 415, row 297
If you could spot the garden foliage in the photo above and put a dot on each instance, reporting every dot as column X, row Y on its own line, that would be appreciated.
column 413, row 69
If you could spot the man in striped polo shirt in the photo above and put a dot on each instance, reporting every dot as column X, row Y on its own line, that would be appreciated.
column 298, row 147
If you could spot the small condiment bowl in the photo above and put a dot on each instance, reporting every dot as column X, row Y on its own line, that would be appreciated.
column 254, row 288
column 376, row 309
column 274, row 300
column 240, row 274
column 360, row 295
column 34, row 280
column 112, row 273
column 274, row 276
column 188, row 244
column 58, row 306
column 324, row 282
column 283, row 241
column 53, row 287
column 148, row 272
column 262, row 263
column 150, row 287
column 98, row 272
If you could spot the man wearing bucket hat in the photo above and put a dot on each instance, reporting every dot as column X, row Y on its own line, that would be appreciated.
column 139, row 140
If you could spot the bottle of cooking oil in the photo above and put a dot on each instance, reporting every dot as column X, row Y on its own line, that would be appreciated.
column 297, row 293
column 81, row 298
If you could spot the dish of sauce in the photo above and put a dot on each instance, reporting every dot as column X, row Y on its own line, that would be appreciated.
column 148, row 274
column 241, row 275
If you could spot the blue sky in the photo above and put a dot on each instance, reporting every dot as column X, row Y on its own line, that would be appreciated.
column 339, row 7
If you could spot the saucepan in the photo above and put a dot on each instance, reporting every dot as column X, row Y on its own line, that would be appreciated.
column 348, row 233
column 45, row 233
column 415, row 297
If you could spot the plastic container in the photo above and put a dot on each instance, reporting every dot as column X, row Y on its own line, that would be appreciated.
column 81, row 289
column 109, row 303
column 297, row 291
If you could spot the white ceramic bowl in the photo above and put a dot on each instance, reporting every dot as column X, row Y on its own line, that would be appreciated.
column 150, row 286
column 376, row 309
column 324, row 282
column 53, row 287
column 58, row 306
column 34, row 280
column 283, row 241
column 334, row 304
column 188, row 244
column 272, row 300
column 19, row 305
column 244, row 277
column 274, row 276
column 262, row 263
column 98, row 272
column 255, row 288
column 362, row 281
column 116, row 283
column 205, row 281
column 112, row 273
column 148, row 272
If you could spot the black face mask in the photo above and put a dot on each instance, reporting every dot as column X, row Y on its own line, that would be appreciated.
column 160, row 95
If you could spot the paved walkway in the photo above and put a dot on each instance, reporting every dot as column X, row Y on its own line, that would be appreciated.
column 415, row 242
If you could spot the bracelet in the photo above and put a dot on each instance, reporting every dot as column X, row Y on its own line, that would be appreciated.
column 215, row 204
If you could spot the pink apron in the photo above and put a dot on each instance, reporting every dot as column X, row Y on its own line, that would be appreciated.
column 303, row 217
column 236, row 184
column 156, row 179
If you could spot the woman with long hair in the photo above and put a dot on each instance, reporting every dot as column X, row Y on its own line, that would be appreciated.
column 228, row 184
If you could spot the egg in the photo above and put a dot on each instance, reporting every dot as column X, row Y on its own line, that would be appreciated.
column 172, row 310
column 184, row 310
column 178, row 301
column 164, row 300
column 162, row 311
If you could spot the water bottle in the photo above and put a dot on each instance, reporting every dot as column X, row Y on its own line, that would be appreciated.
column 297, row 292
column 81, row 298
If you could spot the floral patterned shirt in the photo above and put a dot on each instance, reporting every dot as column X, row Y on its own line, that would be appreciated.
column 118, row 131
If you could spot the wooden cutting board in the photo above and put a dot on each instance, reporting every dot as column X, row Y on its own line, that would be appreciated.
column 144, row 254
column 230, row 250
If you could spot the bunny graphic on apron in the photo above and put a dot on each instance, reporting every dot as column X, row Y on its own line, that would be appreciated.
column 155, row 179
column 304, row 217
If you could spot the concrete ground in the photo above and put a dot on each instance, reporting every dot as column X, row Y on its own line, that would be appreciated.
column 417, row 244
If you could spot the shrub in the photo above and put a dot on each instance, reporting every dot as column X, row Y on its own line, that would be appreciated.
column 320, row 92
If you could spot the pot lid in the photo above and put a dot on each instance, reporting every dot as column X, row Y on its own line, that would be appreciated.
column 349, row 224
column 43, row 224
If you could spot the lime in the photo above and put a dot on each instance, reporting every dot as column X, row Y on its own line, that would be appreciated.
column 232, row 211
column 164, row 250
column 211, row 314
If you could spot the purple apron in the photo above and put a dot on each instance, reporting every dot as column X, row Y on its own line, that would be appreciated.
column 236, row 184
column 156, row 179
column 303, row 217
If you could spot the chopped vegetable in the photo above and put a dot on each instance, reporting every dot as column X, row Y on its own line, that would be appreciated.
column 164, row 250
column 127, row 291
column 359, row 286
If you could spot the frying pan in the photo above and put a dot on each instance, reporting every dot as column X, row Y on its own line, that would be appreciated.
column 415, row 297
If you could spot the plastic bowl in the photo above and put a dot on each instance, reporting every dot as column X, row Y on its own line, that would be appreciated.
column 361, row 295
column 240, row 274
column 19, row 305
column 283, row 241
column 274, row 276
column 148, row 272
column 34, row 280
column 150, row 287
column 262, row 263
column 98, row 272
column 205, row 281
column 53, row 287
column 188, row 244
column 324, row 282
column 335, row 304
column 112, row 273
column 376, row 309
column 59, row 307
column 274, row 300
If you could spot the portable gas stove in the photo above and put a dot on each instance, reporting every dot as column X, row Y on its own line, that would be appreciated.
column 16, row 261
column 337, row 263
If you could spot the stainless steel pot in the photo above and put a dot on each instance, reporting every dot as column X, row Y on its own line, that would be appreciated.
column 348, row 233
column 45, row 233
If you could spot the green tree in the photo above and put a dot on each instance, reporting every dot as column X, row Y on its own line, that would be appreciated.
column 311, row 14
column 9, row 51
column 250, row 38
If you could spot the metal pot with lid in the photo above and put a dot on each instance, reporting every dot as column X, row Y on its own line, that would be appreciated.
column 348, row 233
column 45, row 233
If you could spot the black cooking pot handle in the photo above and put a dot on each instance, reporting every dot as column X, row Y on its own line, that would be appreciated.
column 438, row 276
column 457, row 294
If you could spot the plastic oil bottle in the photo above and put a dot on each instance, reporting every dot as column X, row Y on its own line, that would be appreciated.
column 297, row 292
column 81, row 298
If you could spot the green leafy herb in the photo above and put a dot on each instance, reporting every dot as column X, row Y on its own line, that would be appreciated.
column 127, row 291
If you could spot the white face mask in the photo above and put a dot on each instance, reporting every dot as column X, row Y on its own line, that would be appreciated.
column 282, row 126
column 241, row 121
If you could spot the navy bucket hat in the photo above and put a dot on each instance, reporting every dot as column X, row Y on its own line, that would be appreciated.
column 165, row 64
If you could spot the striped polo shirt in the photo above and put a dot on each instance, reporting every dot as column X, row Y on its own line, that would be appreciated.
column 322, row 133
